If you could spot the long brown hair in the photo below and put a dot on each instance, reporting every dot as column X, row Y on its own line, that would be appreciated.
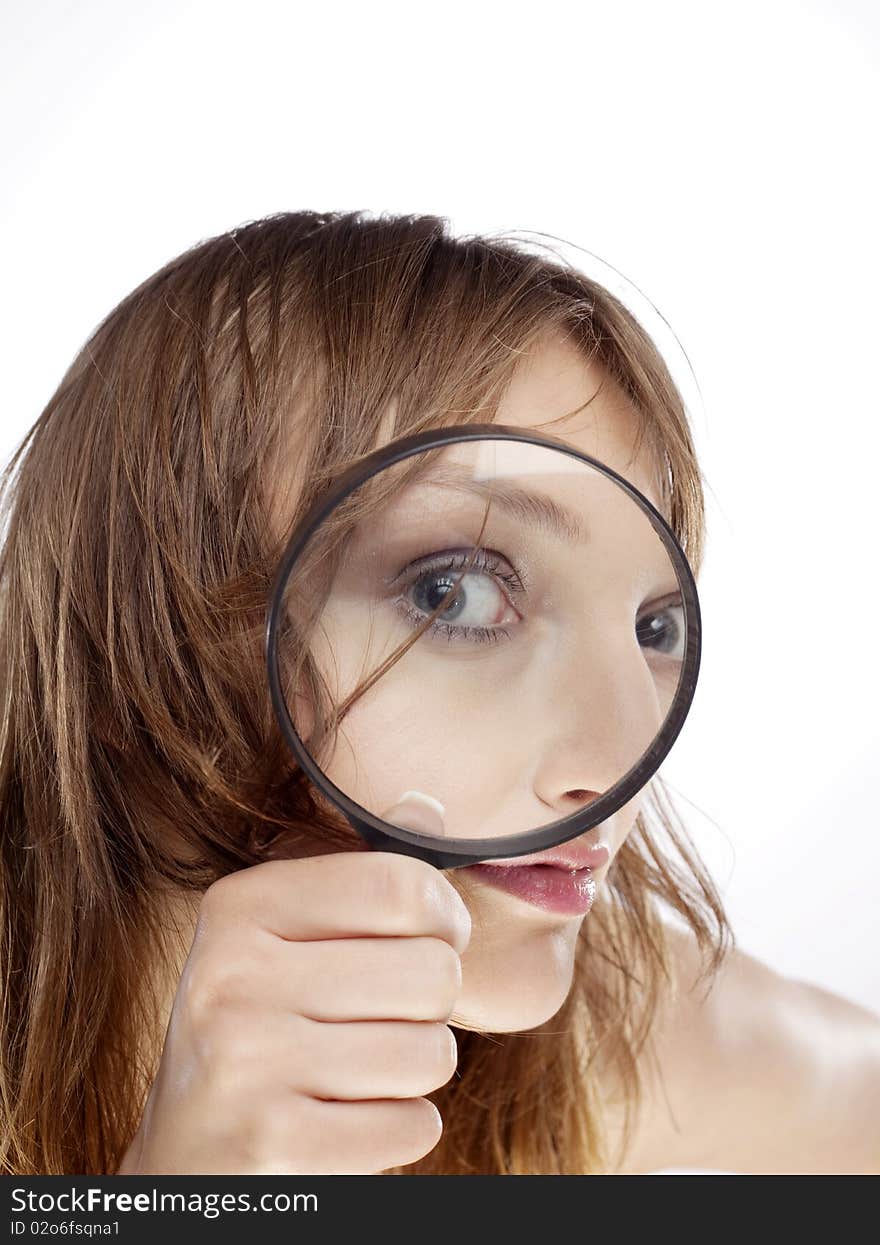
column 144, row 516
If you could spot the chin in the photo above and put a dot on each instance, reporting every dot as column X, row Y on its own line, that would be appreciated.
column 511, row 984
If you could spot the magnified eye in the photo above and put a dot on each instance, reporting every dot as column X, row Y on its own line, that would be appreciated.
column 662, row 629
column 480, row 611
column 479, row 603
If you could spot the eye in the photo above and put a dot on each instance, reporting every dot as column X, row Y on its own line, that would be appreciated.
column 479, row 602
column 662, row 628
column 481, row 609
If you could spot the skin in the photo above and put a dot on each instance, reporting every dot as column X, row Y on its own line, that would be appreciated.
column 315, row 1002
column 765, row 1074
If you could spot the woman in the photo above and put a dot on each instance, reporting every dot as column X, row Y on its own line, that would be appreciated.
column 203, row 969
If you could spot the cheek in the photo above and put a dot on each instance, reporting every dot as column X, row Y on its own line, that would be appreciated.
column 379, row 754
column 408, row 732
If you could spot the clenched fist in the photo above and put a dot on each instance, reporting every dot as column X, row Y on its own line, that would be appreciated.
column 309, row 1021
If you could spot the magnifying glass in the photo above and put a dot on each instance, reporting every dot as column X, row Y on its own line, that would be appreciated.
column 490, row 617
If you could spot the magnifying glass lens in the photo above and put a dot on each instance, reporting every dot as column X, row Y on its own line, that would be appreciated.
column 497, row 624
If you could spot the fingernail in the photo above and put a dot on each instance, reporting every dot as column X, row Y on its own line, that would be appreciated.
column 416, row 811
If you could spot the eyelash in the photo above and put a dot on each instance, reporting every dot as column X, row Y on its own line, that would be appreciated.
column 482, row 562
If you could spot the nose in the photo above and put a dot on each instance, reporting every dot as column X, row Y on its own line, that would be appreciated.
column 601, row 713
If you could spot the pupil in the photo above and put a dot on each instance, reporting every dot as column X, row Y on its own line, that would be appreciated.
column 659, row 633
column 432, row 595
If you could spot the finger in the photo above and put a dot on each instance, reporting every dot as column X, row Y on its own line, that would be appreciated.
column 340, row 979
column 350, row 1138
column 366, row 1060
column 343, row 895
column 376, row 979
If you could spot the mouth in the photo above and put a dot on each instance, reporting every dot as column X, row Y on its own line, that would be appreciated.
column 553, row 887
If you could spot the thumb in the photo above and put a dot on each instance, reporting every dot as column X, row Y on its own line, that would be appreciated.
column 416, row 811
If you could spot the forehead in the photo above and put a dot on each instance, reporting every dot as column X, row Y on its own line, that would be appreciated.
column 554, row 378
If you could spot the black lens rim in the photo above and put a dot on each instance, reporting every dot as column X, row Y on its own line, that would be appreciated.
column 458, row 853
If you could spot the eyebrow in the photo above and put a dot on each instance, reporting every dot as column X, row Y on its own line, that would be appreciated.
column 536, row 509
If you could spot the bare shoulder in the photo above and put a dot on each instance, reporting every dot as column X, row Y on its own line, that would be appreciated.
column 679, row 1065
column 753, row 1072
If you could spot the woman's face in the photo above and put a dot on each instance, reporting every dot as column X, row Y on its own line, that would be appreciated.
column 515, row 733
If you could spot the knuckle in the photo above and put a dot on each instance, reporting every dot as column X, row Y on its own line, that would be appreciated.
column 216, row 907
column 213, row 987
column 216, row 897
column 418, row 894
column 197, row 999
column 401, row 884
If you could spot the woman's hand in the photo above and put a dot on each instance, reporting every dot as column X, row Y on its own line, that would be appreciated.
column 309, row 1021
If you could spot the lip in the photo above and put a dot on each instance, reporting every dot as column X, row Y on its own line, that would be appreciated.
column 560, row 880
column 568, row 856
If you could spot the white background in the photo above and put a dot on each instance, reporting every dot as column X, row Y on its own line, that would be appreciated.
column 722, row 157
